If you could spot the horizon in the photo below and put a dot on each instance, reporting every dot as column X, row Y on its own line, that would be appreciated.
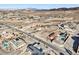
column 36, row 6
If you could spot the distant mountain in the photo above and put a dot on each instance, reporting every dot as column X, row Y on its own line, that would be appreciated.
column 58, row 9
column 35, row 9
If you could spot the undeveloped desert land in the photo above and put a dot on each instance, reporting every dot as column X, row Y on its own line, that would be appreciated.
column 39, row 32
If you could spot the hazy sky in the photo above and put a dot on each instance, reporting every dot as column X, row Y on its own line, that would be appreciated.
column 38, row 6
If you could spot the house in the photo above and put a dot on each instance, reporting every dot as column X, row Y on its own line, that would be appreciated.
column 76, row 43
column 52, row 36
column 35, row 50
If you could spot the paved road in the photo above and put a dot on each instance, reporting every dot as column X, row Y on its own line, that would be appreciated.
column 55, row 48
column 2, row 52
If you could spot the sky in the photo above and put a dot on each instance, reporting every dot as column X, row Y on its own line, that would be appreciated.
column 38, row 6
